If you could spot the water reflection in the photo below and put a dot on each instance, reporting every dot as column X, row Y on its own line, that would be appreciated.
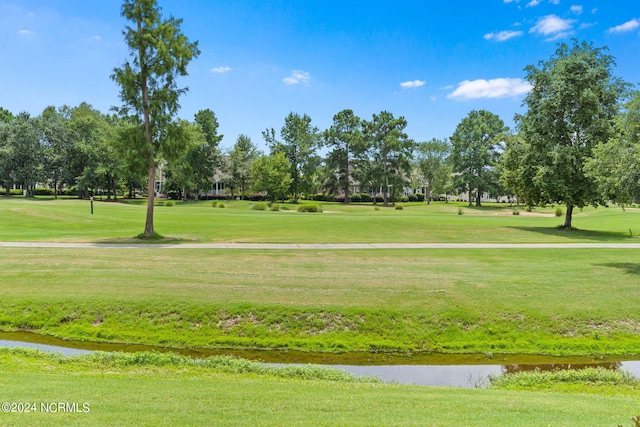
column 436, row 369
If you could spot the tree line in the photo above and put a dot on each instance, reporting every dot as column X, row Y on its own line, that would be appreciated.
column 578, row 143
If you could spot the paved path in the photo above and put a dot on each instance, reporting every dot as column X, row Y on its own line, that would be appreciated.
column 323, row 246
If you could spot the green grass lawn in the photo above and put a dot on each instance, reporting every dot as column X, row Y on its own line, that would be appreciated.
column 154, row 391
column 552, row 301
column 537, row 301
column 68, row 220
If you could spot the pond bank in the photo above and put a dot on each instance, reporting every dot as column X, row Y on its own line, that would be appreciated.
column 433, row 369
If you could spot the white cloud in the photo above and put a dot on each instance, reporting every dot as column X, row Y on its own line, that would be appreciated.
column 554, row 1
column 623, row 28
column 554, row 27
column 533, row 3
column 412, row 84
column 26, row 33
column 511, row 1
column 503, row 35
column 297, row 77
column 586, row 25
column 221, row 70
column 576, row 9
column 495, row 88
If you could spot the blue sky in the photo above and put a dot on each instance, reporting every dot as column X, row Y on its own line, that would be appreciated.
column 429, row 61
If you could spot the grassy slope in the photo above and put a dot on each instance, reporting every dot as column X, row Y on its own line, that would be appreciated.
column 570, row 301
column 165, row 394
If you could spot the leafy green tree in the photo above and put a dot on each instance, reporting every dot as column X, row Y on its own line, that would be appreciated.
column 127, row 144
column 299, row 143
column 54, row 130
column 515, row 174
column 241, row 157
column 571, row 109
column 615, row 165
column 89, row 132
column 5, row 150
column 474, row 152
column 5, row 115
column 160, row 53
column 193, row 171
column 431, row 161
column 24, row 153
column 272, row 175
column 345, row 141
column 391, row 150
column 206, row 159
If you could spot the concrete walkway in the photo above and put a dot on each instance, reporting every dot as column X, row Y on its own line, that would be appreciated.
column 322, row 246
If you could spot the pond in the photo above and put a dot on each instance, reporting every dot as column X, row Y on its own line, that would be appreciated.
column 434, row 369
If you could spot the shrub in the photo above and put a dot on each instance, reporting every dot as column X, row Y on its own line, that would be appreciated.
column 413, row 198
column 404, row 199
column 221, row 205
column 339, row 198
column 376, row 208
column 16, row 192
column 558, row 211
column 43, row 191
column 274, row 207
column 169, row 203
column 310, row 208
column 356, row 198
column 460, row 211
column 260, row 206
column 366, row 198
column 214, row 204
column 399, row 206
column 419, row 197
column 320, row 197
column 516, row 212
column 529, row 208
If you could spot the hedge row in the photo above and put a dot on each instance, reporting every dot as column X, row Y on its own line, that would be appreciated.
column 365, row 198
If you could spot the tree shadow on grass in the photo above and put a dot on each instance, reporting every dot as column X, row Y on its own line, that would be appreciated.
column 576, row 234
column 135, row 240
column 627, row 267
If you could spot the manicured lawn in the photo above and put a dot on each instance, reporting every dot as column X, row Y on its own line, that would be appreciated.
column 161, row 393
column 552, row 301
column 558, row 301
column 70, row 220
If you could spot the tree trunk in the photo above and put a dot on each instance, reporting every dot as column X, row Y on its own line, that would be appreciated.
column 148, row 228
column 385, row 188
column 470, row 198
column 428, row 195
column 479, row 197
column 346, row 179
column 567, row 217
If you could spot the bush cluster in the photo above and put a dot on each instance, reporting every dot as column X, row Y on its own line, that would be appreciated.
column 313, row 207
column 260, row 206
column 43, row 191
